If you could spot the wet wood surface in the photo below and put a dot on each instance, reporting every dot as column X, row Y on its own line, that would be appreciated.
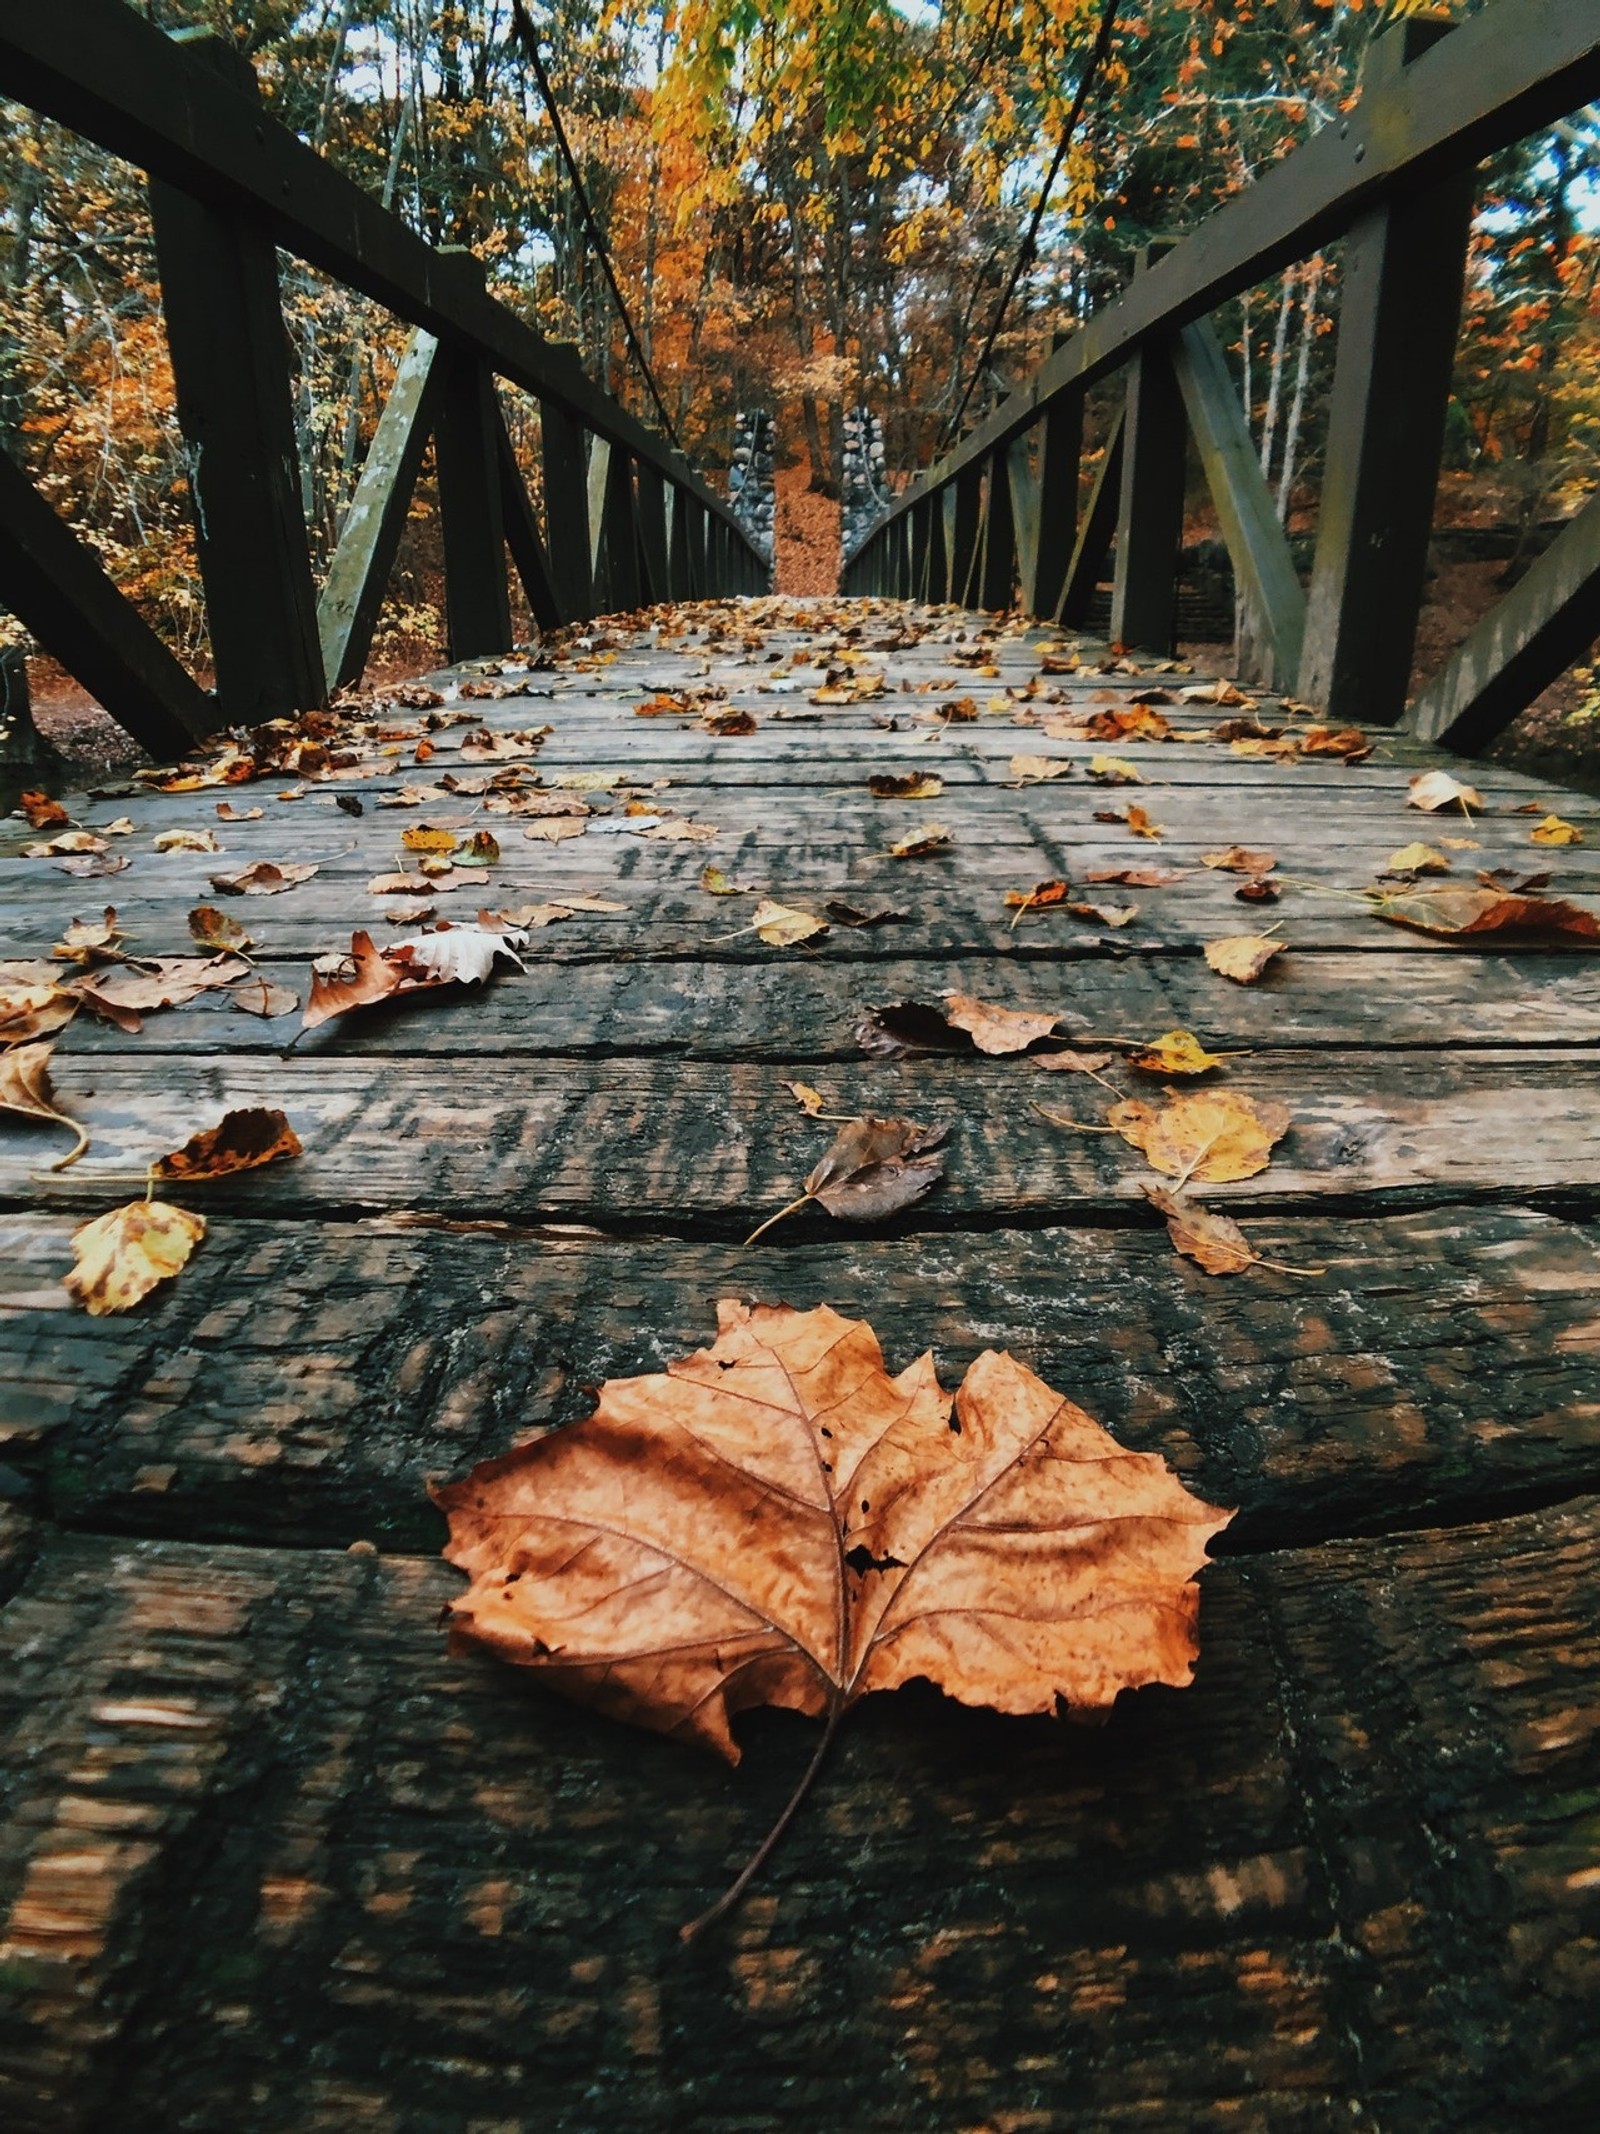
column 272, row 1857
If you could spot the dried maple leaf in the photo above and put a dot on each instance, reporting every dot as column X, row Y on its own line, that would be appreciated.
column 932, row 837
column 34, row 1008
column 776, row 1520
column 1462, row 912
column 264, row 879
column 913, row 785
column 1553, row 831
column 1239, row 859
column 417, row 963
column 25, row 1089
column 1241, row 957
column 1432, row 790
column 1038, row 897
column 996, row 1031
column 1176, row 1052
column 242, row 1140
column 1346, row 741
column 122, row 1256
column 1212, row 1135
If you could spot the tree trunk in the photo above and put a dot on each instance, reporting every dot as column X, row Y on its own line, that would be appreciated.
column 1291, row 441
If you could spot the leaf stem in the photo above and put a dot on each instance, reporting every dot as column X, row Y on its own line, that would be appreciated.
column 764, row 1851
column 778, row 1218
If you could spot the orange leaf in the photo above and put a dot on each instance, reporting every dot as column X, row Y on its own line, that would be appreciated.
column 241, row 1141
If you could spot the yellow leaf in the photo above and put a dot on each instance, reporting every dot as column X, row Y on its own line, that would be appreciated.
column 1211, row 1135
column 187, row 841
column 421, row 838
column 1176, row 1052
column 122, row 1256
column 1553, row 831
column 1242, row 957
column 1416, row 858
column 782, row 926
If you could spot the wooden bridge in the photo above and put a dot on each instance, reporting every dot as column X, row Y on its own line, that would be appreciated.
column 272, row 1857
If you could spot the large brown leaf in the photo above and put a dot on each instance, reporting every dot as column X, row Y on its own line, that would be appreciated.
column 777, row 1520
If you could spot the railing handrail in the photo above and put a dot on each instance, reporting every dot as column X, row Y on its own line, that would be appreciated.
column 99, row 69
column 1496, row 78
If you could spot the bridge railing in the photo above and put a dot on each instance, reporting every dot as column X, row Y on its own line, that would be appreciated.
column 997, row 522
column 625, row 518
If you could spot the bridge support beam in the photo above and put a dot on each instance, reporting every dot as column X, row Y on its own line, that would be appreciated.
column 466, row 444
column 230, row 367
column 564, row 458
column 1404, row 266
column 997, row 568
column 1150, row 517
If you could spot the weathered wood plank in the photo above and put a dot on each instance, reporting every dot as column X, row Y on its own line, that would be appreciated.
column 799, row 1010
column 713, row 1146
column 301, row 1381
column 1302, row 1886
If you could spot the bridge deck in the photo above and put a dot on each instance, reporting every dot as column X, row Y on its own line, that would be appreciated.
column 272, row 1858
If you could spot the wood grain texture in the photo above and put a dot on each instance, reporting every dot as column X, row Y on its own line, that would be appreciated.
column 255, row 1800
column 304, row 1379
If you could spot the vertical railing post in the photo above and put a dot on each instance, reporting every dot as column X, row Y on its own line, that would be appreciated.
column 1154, row 476
column 1060, row 459
column 998, row 573
column 938, row 551
column 1402, row 278
column 466, row 439
column 564, row 457
column 615, row 537
column 230, row 367
column 967, row 490
column 652, row 489
column 920, row 518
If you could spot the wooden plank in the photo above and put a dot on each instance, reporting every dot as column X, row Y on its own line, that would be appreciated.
column 369, row 540
column 524, row 535
column 1402, row 272
column 223, row 314
column 466, row 443
column 301, row 1381
column 1500, row 77
column 1301, row 1891
column 1264, row 573
column 1098, row 530
column 753, row 1006
column 1550, row 618
column 55, row 587
column 713, row 1146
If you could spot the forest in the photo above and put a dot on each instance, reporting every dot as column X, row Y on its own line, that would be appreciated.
column 807, row 207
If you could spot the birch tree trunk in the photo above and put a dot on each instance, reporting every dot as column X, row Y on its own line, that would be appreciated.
column 1291, row 441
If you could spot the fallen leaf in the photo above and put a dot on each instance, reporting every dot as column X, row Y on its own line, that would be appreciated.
column 227, row 812
column 399, row 885
column 482, row 847
column 34, row 1008
column 92, row 864
column 996, row 1031
column 258, row 996
column 776, row 1520
column 1214, row 1242
column 1035, row 770
column 265, row 879
column 25, row 1089
column 123, row 1255
column 873, row 1168
column 1432, row 790
column 1239, row 859
column 425, row 837
column 678, row 830
column 811, row 1101
column 187, row 841
column 1462, row 912
column 1175, row 1052
column 1140, row 823
column 1038, row 897
column 1068, row 1062
column 1242, row 957
column 782, row 926
column 1258, row 889
column 415, row 963
column 1346, row 741
column 1136, row 877
column 42, row 812
column 1115, row 770
column 1106, row 914
column 732, row 721
column 717, row 882
column 933, row 837
column 242, row 1141
column 1553, row 831
column 214, row 929
column 68, row 841
column 458, row 955
column 125, row 995
column 1211, row 1135
column 1416, row 858
column 85, row 940
column 912, row 785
